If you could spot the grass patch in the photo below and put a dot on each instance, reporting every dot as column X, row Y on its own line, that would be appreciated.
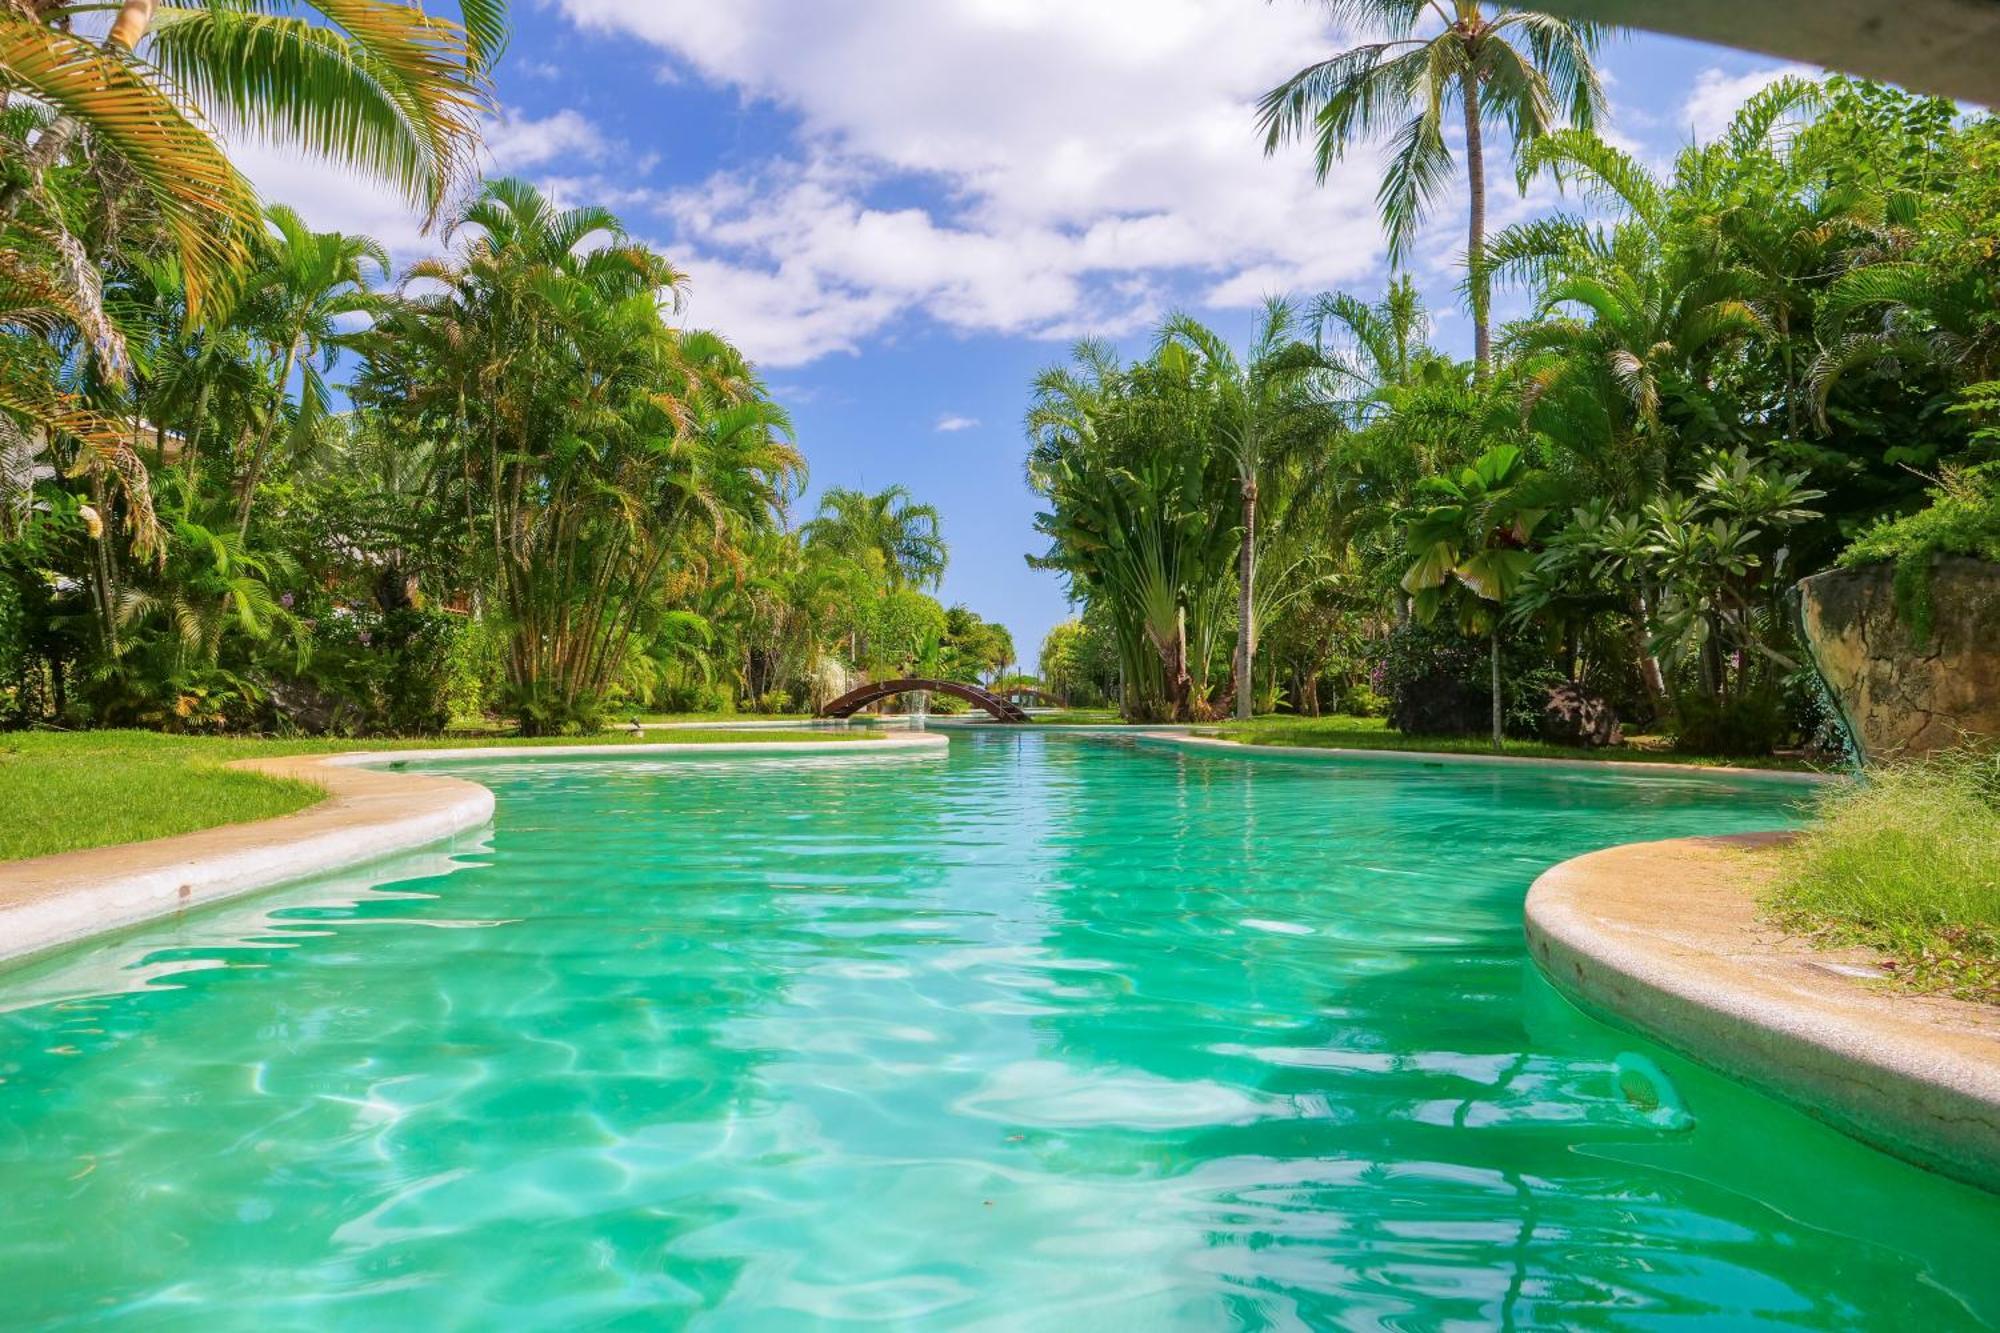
column 1907, row 864
column 1373, row 733
column 1078, row 717
column 619, row 719
column 61, row 791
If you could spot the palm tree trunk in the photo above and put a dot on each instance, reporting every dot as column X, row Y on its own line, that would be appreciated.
column 1246, row 633
column 1496, row 690
column 1475, row 241
column 255, row 474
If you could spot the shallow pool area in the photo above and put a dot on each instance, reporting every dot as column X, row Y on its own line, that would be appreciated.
column 1051, row 1032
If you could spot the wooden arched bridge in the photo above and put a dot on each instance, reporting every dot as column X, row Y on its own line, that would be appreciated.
column 852, row 702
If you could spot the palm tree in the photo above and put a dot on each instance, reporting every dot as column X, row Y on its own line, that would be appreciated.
column 305, row 285
column 1503, row 67
column 598, row 451
column 1266, row 405
column 378, row 85
column 1138, row 496
column 1373, row 347
column 1470, row 536
column 887, row 530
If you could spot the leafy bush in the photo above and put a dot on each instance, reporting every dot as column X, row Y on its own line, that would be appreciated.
column 1438, row 682
column 694, row 696
column 1750, row 724
column 775, row 701
column 539, row 710
column 1963, row 518
column 403, row 673
column 1908, row 862
column 1360, row 700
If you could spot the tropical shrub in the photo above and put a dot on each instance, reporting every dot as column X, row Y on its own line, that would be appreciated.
column 1437, row 681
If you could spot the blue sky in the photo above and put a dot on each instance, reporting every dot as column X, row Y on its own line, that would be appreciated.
column 903, row 208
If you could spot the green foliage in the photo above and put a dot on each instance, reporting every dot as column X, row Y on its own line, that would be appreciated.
column 1908, row 862
column 1436, row 679
column 1737, row 725
column 1962, row 519
column 1361, row 700
column 400, row 673
column 1141, row 518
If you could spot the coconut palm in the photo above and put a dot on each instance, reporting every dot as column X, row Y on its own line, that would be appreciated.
column 888, row 530
column 377, row 85
column 1500, row 66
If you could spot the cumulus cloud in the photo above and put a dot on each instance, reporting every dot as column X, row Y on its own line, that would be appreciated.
column 331, row 199
column 1073, row 167
column 951, row 424
column 1716, row 95
column 515, row 142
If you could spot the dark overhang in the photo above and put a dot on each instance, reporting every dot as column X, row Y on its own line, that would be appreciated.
column 1947, row 47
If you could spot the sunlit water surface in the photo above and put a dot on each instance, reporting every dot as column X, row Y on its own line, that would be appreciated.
column 1051, row 1034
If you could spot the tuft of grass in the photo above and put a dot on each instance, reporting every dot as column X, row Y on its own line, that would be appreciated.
column 1373, row 733
column 62, row 791
column 1907, row 863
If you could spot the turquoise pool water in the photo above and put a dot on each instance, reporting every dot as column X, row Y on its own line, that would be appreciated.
column 1050, row 1034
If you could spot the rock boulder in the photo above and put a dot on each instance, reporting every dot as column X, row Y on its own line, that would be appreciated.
column 1902, row 697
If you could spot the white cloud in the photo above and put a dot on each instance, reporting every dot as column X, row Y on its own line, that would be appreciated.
column 514, row 141
column 332, row 199
column 1077, row 166
column 951, row 424
column 1716, row 95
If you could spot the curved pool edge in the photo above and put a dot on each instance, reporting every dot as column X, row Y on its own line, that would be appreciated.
column 47, row 902
column 1622, row 767
column 1664, row 937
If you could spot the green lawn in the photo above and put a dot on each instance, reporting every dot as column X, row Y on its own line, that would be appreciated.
column 60, row 791
column 1076, row 717
column 1372, row 733
column 1908, row 864
column 619, row 719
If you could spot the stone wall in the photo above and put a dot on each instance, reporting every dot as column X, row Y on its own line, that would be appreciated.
column 1902, row 698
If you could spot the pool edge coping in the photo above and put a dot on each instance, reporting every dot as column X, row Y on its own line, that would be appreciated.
column 1628, row 767
column 1664, row 937
column 368, row 813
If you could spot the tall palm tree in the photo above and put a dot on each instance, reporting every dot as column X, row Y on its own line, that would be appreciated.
column 887, row 529
column 1266, row 404
column 598, row 451
column 305, row 285
column 1502, row 67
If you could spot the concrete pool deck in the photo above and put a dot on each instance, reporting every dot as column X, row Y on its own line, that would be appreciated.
column 369, row 813
column 1666, row 937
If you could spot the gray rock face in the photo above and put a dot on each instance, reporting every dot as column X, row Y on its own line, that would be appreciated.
column 1903, row 698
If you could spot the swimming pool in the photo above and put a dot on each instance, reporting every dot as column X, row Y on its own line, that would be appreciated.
column 1050, row 1031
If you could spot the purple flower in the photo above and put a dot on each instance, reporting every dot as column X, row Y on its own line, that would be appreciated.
column 286, row 601
column 366, row 638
